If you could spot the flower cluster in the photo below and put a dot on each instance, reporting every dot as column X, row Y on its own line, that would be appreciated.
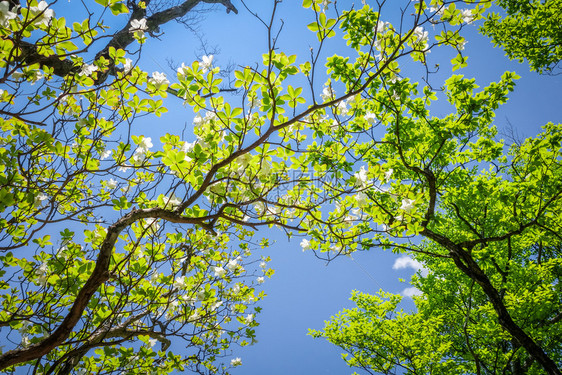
column 42, row 274
column 41, row 14
column 159, row 80
column 361, row 179
column 328, row 94
column 138, row 27
column 87, row 70
column 421, row 36
column 5, row 14
column 207, row 63
column 236, row 362
column 142, row 149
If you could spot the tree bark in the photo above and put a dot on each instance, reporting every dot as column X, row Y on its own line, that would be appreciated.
column 99, row 275
column 464, row 261
column 120, row 39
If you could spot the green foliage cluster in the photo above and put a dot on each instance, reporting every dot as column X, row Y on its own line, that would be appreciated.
column 528, row 30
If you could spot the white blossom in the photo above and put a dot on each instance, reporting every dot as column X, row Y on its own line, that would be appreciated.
column 41, row 13
column 145, row 144
column 188, row 147
column 5, row 14
column 111, row 184
column 124, row 168
column 201, row 295
column 172, row 201
column 371, row 118
column 342, row 108
column 25, row 341
column 153, row 223
column 38, row 202
column 127, row 66
column 467, row 16
column 182, row 70
column 105, row 154
column 206, row 63
column 138, row 27
column 189, row 300
column 361, row 199
column 236, row 362
column 24, row 326
column 388, row 174
column 382, row 26
column 439, row 11
column 327, row 94
column 336, row 248
column 179, row 283
column 87, row 70
column 361, row 179
column 152, row 342
column 216, row 305
column 305, row 245
column 249, row 318
column 194, row 316
column 261, row 280
column 42, row 274
column 159, row 80
column 219, row 271
column 236, row 289
column 259, row 207
column 407, row 204
column 154, row 278
column 232, row 265
column 421, row 35
column 37, row 75
column 62, row 252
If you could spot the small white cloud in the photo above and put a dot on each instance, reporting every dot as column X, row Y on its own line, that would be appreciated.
column 408, row 262
column 411, row 291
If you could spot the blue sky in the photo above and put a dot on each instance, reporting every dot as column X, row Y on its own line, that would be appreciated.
column 305, row 291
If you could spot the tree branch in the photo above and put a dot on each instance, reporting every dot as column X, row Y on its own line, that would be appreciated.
column 99, row 275
column 120, row 40
column 464, row 261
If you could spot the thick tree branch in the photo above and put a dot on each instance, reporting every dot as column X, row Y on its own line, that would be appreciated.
column 120, row 40
column 99, row 275
column 464, row 261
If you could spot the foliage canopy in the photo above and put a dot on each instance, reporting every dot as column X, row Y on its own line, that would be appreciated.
column 117, row 248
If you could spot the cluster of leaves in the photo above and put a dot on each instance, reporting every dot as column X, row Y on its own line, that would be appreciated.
column 528, row 30
column 512, row 238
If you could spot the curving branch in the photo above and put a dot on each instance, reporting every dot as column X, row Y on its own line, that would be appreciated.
column 99, row 275
column 464, row 261
column 461, row 255
column 120, row 40
column 66, row 363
